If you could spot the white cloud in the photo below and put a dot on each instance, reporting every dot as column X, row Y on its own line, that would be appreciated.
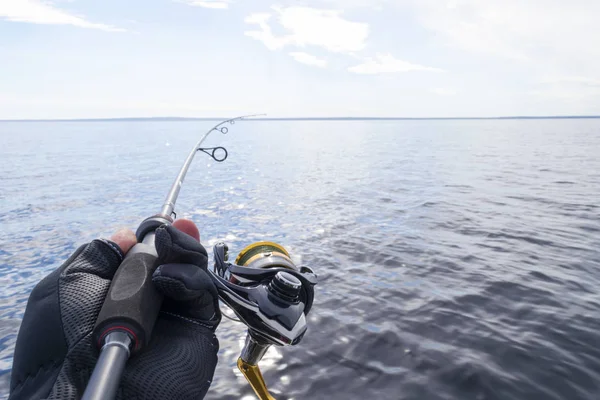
column 308, row 59
column 217, row 4
column 264, row 35
column 310, row 27
column 539, row 38
column 40, row 12
column 386, row 63
column 545, row 33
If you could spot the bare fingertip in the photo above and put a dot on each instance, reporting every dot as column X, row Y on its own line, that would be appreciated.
column 125, row 239
column 189, row 227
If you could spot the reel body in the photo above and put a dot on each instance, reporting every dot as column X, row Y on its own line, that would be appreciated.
column 270, row 295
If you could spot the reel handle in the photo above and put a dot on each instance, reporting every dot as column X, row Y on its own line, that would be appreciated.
column 247, row 363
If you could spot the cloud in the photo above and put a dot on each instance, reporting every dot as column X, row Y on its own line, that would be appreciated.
column 386, row 63
column 310, row 27
column 551, row 44
column 39, row 12
column 217, row 4
column 308, row 59
column 265, row 35
column 541, row 32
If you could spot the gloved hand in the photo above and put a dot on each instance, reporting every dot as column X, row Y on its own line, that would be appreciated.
column 55, row 356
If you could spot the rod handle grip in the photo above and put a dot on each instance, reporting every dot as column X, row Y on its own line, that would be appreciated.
column 132, row 303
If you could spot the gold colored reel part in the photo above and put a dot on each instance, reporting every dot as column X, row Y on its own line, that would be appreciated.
column 255, row 379
column 265, row 255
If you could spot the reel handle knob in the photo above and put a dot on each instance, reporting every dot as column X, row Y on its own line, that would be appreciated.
column 285, row 286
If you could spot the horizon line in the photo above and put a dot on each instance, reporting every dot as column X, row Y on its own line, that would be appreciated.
column 173, row 119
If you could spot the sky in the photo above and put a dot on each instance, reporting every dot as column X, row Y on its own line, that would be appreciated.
column 321, row 58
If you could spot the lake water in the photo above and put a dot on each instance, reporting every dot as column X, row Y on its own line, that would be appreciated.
column 457, row 259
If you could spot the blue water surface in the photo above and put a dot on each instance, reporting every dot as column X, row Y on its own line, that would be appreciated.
column 457, row 259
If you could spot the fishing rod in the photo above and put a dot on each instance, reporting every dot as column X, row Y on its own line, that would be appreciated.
column 267, row 292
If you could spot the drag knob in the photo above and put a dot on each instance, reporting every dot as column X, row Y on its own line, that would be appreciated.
column 285, row 286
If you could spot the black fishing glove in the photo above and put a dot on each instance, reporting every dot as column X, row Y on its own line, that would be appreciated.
column 55, row 355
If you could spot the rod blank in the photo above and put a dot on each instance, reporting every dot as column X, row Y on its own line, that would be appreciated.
column 107, row 375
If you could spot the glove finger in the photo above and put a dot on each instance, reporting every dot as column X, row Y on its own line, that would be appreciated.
column 175, row 246
column 189, row 291
column 183, row 282
column 100, row 257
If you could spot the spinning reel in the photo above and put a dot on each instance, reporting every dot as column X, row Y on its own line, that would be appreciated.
column 270, row 295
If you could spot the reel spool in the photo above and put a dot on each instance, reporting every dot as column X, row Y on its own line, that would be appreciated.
column 265, row 255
